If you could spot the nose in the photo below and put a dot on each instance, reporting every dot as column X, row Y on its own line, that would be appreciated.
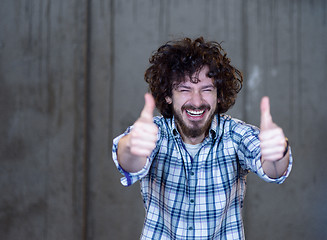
column 196, row 99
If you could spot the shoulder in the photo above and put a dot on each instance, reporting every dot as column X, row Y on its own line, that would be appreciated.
column 161, row 122
column 158, row 120
column 164, row 125
column 237, row 127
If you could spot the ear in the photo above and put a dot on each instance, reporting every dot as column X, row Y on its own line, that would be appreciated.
column 169, row 100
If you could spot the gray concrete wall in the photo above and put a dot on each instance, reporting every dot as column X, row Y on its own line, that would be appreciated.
column 71, row 76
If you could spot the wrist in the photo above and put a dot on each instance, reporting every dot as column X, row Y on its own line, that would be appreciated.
column 286, row 148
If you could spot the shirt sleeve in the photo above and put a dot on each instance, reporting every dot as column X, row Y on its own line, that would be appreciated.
column 129, row 178
column 249, row 153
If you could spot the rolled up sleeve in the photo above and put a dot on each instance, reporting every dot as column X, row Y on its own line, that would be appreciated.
column 129, row 178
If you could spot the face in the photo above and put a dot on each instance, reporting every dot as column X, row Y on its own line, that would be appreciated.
column 194, row 106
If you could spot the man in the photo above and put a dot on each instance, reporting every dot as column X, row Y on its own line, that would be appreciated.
column 192, row 161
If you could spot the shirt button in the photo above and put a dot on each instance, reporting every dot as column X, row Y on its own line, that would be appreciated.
column 192, row 201
column 192, row 173
column 190, row 228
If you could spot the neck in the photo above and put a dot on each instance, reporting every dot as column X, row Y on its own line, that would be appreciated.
column 193, row 140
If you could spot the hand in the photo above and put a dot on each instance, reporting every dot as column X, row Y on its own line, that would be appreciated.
column 143, row 137
column 272, row 138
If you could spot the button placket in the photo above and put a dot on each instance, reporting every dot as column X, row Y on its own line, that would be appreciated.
column 192, row 190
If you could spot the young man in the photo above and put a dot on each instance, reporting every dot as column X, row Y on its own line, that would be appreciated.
column 193, row 160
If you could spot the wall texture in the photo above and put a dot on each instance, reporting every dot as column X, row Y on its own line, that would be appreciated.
column 71, row 76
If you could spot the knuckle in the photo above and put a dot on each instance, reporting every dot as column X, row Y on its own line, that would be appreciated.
column 134, row 150
column 134, row 134
column 132, row 143
column 153, row 145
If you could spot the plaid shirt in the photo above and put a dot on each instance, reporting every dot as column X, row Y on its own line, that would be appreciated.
column 198, row 198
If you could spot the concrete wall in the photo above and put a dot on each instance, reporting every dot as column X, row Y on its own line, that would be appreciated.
column 71, row 77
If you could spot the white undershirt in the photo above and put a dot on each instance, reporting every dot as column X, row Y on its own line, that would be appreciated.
column 192, row 149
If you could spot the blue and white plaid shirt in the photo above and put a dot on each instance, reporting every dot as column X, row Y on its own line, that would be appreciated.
column 198, row 198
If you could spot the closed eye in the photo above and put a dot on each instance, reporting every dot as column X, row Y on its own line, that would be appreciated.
column 183, row 89
column 208, row 89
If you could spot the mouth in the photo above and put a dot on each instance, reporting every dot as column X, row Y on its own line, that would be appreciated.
column 195, row 113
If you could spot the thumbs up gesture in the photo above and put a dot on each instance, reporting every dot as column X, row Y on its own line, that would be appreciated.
column 272, row 138
column 143, row 136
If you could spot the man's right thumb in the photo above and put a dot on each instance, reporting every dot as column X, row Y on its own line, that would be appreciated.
column 149, row 106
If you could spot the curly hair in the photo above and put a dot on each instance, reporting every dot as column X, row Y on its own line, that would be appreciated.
column 176, row 60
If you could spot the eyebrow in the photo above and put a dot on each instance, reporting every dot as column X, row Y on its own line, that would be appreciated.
column 183, row 86
column 209, row 86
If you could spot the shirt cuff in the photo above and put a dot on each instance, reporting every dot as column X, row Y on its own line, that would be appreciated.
column 129, row 178
column 280, row 179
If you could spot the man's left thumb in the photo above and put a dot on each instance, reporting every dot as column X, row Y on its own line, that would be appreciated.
column 266, row 119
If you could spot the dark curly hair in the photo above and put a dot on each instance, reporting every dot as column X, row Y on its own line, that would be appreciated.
column 174, row 61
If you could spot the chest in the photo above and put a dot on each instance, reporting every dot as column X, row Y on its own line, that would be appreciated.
column 215, row 165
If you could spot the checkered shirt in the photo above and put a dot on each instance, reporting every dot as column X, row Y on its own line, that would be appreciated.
column 201, row 197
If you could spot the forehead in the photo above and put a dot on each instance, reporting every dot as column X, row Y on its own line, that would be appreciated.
column 199, row 78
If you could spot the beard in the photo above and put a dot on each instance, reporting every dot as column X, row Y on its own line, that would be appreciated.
column 195, row 128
